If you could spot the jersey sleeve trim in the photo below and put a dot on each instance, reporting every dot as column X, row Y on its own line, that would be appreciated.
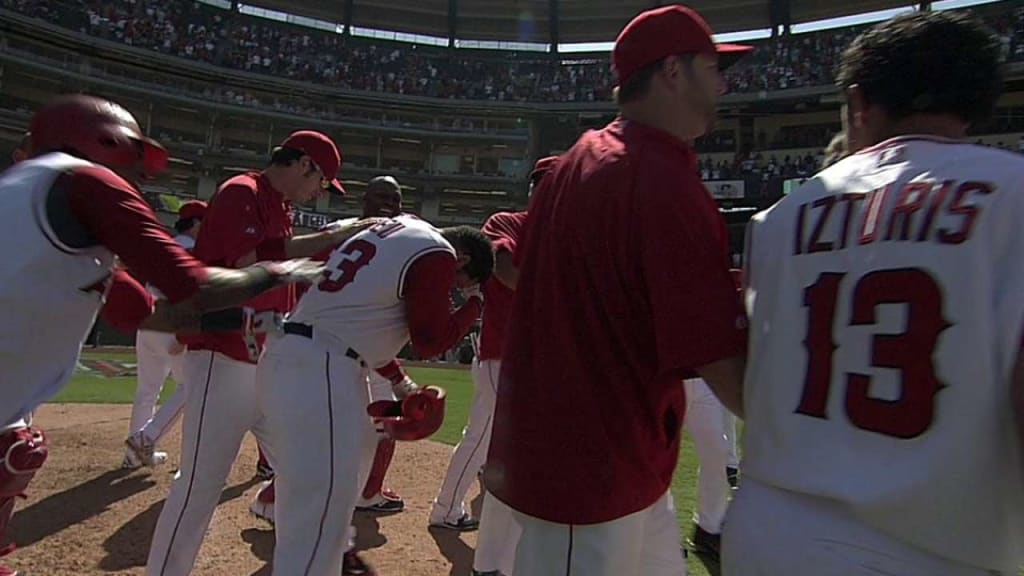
column 400, row 289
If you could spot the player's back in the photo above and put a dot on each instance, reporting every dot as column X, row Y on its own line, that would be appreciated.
column 360, row 301
column 887, row 300
column 50, row 290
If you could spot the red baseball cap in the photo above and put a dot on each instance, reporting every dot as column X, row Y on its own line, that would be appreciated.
column 666, row 31
column 322, row 151
column 192, row 209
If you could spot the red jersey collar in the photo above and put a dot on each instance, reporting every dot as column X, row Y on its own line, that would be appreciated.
column 647, row 131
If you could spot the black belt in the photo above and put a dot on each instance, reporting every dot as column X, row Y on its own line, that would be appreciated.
column 306, row 331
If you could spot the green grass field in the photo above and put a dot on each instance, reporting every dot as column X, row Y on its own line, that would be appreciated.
column 86, row 388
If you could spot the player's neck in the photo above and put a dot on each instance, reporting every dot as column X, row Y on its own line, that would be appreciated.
column 941, row 125
column 668, row 120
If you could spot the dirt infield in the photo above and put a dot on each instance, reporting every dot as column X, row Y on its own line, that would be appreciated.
column 85, row 515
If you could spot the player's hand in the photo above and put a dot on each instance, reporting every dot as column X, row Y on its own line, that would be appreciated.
column 343, row 232
column 472, row 292
column 176, row 349
column 404, row 388
column 296, row 270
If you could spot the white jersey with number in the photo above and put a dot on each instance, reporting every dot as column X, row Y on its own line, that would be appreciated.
column 360, row 302
column 886, row 302
column 49, row 292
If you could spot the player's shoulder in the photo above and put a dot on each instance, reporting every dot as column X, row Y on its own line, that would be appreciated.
column 505, row 219
column 93, row 177
column 239, row 185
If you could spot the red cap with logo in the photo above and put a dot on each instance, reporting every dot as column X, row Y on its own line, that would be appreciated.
column 322, row 151
column 192, row 209
column 666, row 31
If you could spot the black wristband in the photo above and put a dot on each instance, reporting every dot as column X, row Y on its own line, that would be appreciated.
column 222, row 320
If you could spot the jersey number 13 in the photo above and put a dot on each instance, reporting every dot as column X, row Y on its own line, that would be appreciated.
column 910, row 353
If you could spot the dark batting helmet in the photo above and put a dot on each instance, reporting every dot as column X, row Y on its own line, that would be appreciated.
column 97, row 130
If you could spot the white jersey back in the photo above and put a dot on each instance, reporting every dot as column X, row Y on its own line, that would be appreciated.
column 360, row 302
column 49, row 292
column 886, row 302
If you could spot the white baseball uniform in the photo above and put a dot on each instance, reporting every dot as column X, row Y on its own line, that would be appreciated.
column 706, row 421
column 312, row 388
column 886, row 311
column 155, row 363
column 50, row 291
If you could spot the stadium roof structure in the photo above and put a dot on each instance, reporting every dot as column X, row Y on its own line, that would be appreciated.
column 556, row 21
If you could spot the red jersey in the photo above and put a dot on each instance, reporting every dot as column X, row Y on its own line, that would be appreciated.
column 624, row 286
column 246, row 215
column 503, row 230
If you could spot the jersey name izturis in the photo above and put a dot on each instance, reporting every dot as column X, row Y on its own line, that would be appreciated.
column 886, row 302
column 360, row 302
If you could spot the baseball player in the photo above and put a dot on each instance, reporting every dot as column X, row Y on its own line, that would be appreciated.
column 623, row 289
column 384, row 288
column 69, row 209
column 499, row 534
column 885, row 395
column 158, row 355
column 248, row 219
column 449, row 510
column 713, row 429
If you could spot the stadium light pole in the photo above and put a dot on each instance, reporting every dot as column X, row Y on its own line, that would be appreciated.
column 347, row 17
column 553, row 18
column 453, row 19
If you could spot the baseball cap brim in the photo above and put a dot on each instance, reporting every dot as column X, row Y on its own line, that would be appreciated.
column 335, row 187
column 729, row 54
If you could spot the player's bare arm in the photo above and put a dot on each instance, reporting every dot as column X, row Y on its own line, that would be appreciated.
column 725, row 377
column 116, row 216
column 311, row 244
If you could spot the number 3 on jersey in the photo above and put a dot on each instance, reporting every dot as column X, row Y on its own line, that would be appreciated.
column 910, row 352
column 358, row 253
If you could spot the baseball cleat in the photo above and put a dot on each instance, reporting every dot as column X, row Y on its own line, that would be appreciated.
column 261, row 510
column 353, row 565
column 4, row 571
column 464, row 524
column 733, row 476
column 705, row 543
column 386, row 501
column 140, row 452
column 264, row 471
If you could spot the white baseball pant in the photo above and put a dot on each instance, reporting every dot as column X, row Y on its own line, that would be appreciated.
column 220, row 408
column 705, row 420
column 155, row 363
column 313, row 397
column 816, row 537
column 469, row 456
column 497, row 538
column 645, row 543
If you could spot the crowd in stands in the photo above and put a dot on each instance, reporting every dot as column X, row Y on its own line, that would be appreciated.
column 204, row 33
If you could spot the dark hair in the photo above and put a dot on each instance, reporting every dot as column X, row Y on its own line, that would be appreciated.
column 926, row 63
column 282, row 156
column 640, row 82
column 471, row 242
column 185, row 224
